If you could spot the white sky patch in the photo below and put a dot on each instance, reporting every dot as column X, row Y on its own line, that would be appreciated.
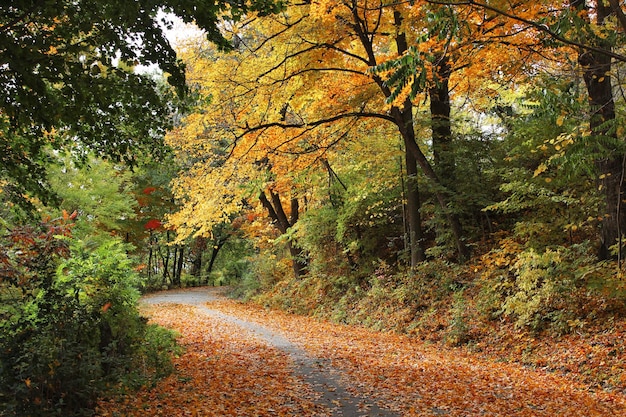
column 180, row 31
column 178, row 34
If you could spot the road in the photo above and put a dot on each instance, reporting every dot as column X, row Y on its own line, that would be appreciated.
column 246, row 361
column 324, row 379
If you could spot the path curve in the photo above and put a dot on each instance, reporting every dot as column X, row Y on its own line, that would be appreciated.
column 317, row 372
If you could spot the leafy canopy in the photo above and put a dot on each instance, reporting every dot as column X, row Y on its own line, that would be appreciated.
column 66, row 71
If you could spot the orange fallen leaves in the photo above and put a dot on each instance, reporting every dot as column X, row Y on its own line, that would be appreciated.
column 226, row 372
column 430, row 380
column 221, row 373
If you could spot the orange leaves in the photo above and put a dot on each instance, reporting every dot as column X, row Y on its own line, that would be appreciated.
column 226, row 372
column 427, row 380
column 67, row 216
column 222, row 373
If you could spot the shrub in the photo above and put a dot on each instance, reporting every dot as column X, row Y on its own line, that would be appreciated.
column 549, row 289
column 70, row 330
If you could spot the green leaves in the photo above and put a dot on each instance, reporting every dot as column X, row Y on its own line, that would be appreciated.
column 67, row 77
column 69, row 327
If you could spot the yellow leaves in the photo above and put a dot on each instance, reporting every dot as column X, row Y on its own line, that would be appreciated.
column 254, row 133
column 540, row 169
column 209, row 196
column 323, row 9
column 559, row 145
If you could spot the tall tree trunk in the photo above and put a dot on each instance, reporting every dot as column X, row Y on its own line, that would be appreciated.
column 596, row 68
column 175, row 281
column 279, row 217
column 166, row 260
column 180, row 264
column 440, row 195
column 443, row 154
column 413, row 205
column 150, row 254
column 216, row 249
column 403, row 118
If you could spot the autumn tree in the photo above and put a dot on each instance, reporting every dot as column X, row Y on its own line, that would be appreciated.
column 288, row 93
column 295, row 123
column 596, row 64
column 66, row 73
column 591, row 30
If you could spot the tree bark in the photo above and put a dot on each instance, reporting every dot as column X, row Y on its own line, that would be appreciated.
column 596, row 68
column 216, row 249
column 403, row 118
column 443, row 154
column 414, row 221
column 279, row 217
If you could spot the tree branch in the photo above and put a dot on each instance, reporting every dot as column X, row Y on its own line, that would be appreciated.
column 320, row 122
column 539, row 26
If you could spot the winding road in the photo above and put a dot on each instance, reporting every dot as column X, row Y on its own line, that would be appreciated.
column 324, row 379
column 245, row 361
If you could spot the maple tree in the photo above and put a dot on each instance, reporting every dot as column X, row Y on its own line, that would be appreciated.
column 261, row 125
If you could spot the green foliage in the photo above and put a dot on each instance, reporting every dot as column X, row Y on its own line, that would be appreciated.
column 360, row 225
column 232, row 264
column 554, row 289
column 67, row 77
column 100, row 194
column 458, row 330
column 543, row 284
column 70, row 330
column 548, row 193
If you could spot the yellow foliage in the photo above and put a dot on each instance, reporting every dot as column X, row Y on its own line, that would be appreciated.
column 280, row 105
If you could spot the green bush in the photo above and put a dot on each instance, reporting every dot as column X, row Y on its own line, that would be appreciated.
column 71, row 330
column 542, row 290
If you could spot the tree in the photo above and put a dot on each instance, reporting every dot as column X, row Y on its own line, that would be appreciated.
column 311, row 113
column 592, row 30
column 99, row 192
column 596, row 67
column 288, row 98
column 66, row 72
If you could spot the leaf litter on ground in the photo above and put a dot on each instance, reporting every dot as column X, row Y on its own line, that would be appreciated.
column 225, row 373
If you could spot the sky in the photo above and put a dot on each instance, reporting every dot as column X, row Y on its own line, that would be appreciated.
column 180, row 30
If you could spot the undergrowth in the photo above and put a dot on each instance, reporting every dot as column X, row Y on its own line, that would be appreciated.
column 557, row 309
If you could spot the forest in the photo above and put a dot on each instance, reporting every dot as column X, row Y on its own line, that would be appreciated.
column 452, row 170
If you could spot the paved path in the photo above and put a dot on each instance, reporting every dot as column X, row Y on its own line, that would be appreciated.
column 317, row 372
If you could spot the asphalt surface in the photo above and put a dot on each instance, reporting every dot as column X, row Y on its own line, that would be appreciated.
column 327, row 381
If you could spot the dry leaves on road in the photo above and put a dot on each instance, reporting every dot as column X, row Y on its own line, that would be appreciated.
column 428, row 380
column 223, row 372
column 226, row 372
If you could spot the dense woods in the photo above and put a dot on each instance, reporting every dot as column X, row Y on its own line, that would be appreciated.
column 453, row 170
